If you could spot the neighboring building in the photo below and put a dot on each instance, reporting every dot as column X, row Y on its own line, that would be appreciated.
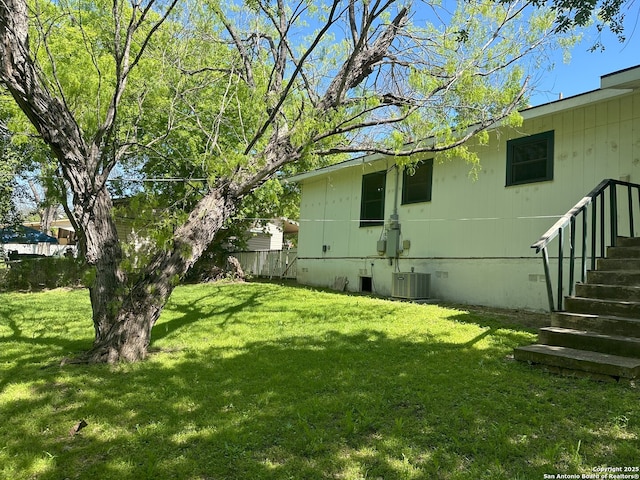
column 275, row 234
column 269, row 250
column 22, row 240
column 365, row 219
column 63, row 231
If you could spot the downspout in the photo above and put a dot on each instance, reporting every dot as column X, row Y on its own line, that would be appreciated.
column 393, row 231
column 395, row 193
column 324, row 217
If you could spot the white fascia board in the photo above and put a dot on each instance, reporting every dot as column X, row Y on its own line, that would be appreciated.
column 627, row 78
column 573, row 102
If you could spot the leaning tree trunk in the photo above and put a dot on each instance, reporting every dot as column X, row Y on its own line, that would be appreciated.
column 128, row 335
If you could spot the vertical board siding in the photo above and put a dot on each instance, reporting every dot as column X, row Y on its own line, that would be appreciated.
column 478, row 221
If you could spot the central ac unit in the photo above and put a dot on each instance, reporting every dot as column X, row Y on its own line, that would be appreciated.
column 410, row 285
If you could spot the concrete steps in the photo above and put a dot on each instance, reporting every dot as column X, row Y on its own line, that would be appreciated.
column 597, row 323
column 591, row 341
column 618, row 308
column 599, row 333
column 569, row 359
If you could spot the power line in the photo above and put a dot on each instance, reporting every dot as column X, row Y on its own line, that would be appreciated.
column 150, row 180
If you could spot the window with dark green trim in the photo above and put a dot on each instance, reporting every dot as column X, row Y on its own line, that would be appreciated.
column 372, row 200
column 416, row 182
column 530, row 159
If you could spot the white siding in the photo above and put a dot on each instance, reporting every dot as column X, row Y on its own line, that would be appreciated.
column 474, row 236
column 269, row 237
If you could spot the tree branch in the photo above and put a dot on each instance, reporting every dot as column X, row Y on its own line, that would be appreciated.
column 430, row 145
column 360, row 63
column 291, row 82
column 244, row 55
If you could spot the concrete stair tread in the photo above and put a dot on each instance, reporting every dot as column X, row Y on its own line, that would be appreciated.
column 596, row 316
column 601, row 323
column 607, row 291
column 628, row 241
column 580, row 360
column 583, row 355
column 605, row 300
column 623, row 252
column 607, row 306
column 587, row 333
column 619, row 270
column 631, row 287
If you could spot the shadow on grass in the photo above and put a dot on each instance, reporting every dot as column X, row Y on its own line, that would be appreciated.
column 41, row 347
column 194, row 311
column 347, row 406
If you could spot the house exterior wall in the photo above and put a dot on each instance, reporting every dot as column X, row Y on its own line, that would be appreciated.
column 474, row 236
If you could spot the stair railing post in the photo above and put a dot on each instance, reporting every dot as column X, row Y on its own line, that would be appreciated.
column 638, row 188
column 572, row 253
column 583, row 265
column 602, row 225
column 630, row 201
column 594, row 230
column 613, row 212
column 547, row 276
column 560, row 266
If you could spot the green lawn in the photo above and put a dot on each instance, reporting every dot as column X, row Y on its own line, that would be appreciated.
column 260, row 381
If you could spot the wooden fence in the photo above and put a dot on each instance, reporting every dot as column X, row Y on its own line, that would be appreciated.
column 271, row 263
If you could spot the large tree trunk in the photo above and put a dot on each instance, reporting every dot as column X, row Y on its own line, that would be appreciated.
column 104, row 252
column 127, row 335
column 81, row 164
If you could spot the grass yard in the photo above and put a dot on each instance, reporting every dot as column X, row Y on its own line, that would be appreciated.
column 261, row 381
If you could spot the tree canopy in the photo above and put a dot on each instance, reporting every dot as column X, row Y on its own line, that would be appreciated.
column 227, row 96
column 8, row 167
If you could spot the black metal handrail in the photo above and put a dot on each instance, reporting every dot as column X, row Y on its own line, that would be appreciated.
column 595, row 201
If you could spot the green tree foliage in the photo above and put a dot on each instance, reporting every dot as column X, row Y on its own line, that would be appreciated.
column 230, row 96
column 8, row 166
column 605, row 13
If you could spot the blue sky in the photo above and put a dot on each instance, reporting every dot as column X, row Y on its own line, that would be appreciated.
column 583, row 72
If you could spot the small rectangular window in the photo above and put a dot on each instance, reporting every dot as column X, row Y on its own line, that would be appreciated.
column 530, row 159
column 416, row 182
column 372, row 202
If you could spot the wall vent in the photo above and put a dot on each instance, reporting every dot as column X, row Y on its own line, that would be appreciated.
column 410, row 285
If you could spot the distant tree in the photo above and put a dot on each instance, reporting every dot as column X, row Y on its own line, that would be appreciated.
column 30, row 183
column 229, row 96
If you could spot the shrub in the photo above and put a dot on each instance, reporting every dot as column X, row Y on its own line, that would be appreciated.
column 44, row 272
